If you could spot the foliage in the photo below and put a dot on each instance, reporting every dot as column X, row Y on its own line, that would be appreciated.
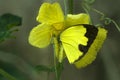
column 7, row 23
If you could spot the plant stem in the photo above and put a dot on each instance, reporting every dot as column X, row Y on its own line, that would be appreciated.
column 116, row 25
column 51, row 1
column 48, row 75
column 65, row 6
column 70, row 2
column 56, row 50
column 103, row 17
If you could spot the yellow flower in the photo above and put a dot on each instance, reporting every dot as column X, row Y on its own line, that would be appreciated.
column 79, row 40
column 52, row 23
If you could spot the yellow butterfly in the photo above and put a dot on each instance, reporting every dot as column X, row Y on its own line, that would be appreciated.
column 82, row 42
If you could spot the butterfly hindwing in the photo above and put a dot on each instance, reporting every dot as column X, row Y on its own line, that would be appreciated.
column 96, row 37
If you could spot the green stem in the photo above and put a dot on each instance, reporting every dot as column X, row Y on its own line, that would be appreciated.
column 58, row 65
column 6, row 75
column 87, row 10
column 116, row 25
column 48, row 75
column 51, row 1
column 103, row 17
column 70, row 2
column 56, row 51
column 65, row 6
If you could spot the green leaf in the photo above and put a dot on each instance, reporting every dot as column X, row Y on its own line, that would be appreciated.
column 43, row 68
column 7, row 75
column 7, row 23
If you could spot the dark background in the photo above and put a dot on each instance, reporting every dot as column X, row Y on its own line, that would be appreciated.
column 18, row 57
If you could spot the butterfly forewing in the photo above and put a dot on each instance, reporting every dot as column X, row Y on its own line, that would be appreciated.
column 71, row 38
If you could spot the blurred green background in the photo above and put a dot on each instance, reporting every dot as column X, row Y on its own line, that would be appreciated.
column 18, row 57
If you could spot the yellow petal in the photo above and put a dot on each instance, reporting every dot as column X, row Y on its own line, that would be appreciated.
column 50, row 13
column 77, row 19
column 40, row 36
column 90, row 56
column 71, row 39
